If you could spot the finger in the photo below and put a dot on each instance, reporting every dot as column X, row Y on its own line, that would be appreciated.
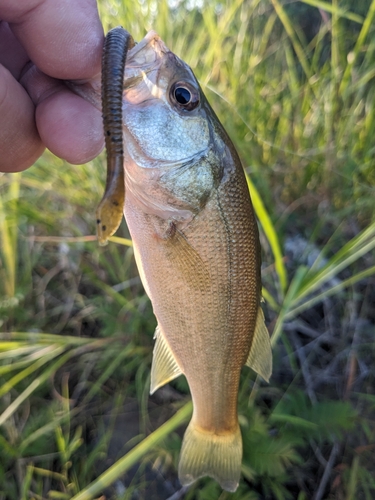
column 68, row 125
column 12, row 55
column 63, row 38
column 20, row 144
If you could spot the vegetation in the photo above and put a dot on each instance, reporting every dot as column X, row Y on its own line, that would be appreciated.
column 76, row 420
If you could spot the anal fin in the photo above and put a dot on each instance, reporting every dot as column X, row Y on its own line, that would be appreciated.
column 260, row 355
column 164, row 365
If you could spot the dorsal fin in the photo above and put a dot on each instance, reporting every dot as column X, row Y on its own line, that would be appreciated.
column 260, row 355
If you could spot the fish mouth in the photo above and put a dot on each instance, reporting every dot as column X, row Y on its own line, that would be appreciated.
column 143, row 69
column 143, row 58
column 152, row 40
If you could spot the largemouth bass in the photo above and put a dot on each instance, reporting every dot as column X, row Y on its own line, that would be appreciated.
column 196, row 246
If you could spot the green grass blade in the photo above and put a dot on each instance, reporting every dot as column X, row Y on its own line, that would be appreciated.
column 121, row 241
column 331, row 291
column 124, row 353
column 37, row 382
column 48, row 428
column 8, row 238
column 293, row 38
column 289, row 299
column 269, row 299
column 351, row 252
column 353, row 479
column 270, row 232
column 334, row 10
column 293, row 420
column 33, row 338
column 51, row 353
column 358, row 47
column 27, row 483
column 35, row 355
column 18, row 401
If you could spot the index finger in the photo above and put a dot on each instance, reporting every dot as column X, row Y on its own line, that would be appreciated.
column 63, row 38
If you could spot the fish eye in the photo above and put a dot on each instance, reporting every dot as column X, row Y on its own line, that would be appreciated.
column 184, row 96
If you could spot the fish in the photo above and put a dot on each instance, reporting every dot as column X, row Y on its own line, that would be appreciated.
column 196, row 246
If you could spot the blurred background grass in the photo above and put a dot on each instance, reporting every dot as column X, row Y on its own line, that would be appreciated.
column 293, row 83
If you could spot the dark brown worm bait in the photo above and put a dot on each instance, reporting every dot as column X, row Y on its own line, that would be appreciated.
column 110, row 210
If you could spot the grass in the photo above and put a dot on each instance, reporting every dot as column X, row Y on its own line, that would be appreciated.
column 76, row 328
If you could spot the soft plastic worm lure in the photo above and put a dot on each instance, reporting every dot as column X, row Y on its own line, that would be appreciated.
column 110, row 210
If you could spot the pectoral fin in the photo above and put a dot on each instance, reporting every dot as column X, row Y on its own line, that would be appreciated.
column 186, row 260
column 164, row 365
column 260, row 355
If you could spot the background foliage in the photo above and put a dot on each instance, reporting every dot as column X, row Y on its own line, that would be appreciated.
column 293, row 84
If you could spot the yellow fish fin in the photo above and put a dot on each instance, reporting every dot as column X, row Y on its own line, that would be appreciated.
column 187, row 260
column 260, row 355
column 204, row 453
column 164, row 365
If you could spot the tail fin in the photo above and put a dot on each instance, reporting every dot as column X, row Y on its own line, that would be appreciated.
column 207, row 454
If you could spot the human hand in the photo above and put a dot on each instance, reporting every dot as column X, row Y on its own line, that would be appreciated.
column 41, row 43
